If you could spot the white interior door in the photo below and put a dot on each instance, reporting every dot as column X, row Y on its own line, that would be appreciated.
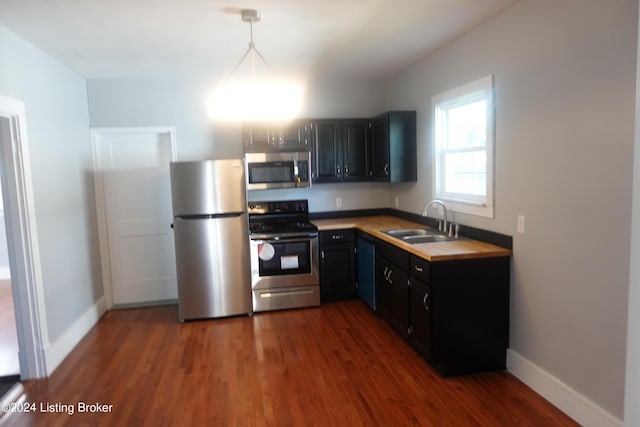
column 134, row 208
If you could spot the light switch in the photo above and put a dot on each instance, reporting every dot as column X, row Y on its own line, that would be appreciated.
column 520, row 221
column 338, row 202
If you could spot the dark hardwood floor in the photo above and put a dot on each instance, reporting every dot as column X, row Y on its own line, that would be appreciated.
column 335, row 365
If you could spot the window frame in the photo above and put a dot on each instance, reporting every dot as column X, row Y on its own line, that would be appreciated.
column 440, row 104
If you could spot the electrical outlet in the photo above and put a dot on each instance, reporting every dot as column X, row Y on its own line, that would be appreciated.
column 520, row 223
column 338, row 202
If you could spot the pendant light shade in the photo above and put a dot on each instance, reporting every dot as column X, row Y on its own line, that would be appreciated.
column 246, row 95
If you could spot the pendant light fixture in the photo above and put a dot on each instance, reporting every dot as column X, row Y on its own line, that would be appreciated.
column 253, row 96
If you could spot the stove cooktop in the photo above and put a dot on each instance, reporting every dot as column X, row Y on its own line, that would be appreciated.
column 276, row 218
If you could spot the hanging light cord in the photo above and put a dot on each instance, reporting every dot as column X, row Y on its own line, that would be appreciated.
column 252, row 49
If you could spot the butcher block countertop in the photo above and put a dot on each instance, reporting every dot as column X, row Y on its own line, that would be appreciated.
column 436, row 251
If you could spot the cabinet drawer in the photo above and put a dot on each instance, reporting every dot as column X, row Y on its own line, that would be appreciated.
column 337, row 236
column 393, row 254
column 420, row 269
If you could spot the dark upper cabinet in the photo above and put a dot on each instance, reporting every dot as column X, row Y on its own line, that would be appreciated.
column 265, row 137
column 327, row 151
column 340, row 150
column 356, row 150
column 393, row 145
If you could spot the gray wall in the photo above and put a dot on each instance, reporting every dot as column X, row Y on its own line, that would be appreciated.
column 181, row 103
column 632, row 385
column 58, row 130
column 564, row 76
column 564, row 84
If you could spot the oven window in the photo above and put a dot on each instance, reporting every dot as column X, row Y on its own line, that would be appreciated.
column 280, row 258
column 270, row 172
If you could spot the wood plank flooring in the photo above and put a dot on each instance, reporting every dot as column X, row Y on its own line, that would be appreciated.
column 339, row 364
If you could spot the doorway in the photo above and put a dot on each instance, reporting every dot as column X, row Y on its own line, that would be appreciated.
column 133, row 199
column 19, row 223
column 9, row 364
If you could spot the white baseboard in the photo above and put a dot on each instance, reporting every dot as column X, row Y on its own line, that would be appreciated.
column 568, row 400
column 56, row 352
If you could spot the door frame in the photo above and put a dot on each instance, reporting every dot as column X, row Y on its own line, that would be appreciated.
column 24, row 250
column 98, row 167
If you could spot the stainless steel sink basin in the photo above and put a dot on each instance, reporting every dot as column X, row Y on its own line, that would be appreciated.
column 414, row 240
column 416, row 236
column 404, row 232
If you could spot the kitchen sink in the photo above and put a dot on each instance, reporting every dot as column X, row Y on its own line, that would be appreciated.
column 414, row 240
column 416, row 236
column 405, row 232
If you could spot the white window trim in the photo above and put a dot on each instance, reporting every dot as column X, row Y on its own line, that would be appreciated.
column 451, row 97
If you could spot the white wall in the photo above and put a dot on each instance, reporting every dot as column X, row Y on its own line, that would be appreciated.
column 182, row 103
column 58, row 128
column 564, row 83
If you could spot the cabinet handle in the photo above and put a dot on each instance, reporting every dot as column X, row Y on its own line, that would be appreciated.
column 338, row 170
column 389, row 278
column 346, row 170
column 410, row 330
column 386, row 169
column 322, row 255
column 424, row 301
column 418, row 269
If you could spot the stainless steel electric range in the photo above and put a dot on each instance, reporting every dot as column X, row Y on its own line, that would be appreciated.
column 284, row 255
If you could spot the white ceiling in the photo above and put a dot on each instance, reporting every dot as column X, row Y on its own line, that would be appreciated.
column 170, row 38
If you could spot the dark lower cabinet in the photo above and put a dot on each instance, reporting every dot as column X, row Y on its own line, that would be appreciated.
column 366, row 262
column 454, row 313
column 420, row 329
column 337, row 265
column 392, row 279
column 382, row 287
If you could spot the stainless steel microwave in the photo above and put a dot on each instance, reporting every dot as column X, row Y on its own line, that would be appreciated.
column 278, row 170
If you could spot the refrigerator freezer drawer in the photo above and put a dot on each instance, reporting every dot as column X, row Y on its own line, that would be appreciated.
column 213, row 267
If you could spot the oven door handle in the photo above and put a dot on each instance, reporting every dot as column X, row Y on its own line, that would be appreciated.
column 287, row 239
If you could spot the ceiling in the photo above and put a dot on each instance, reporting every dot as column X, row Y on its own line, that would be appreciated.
column 172, row 38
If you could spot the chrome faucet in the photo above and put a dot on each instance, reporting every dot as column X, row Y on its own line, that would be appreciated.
column 436, row 202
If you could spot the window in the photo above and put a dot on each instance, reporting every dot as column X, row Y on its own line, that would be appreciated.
column 463, row 172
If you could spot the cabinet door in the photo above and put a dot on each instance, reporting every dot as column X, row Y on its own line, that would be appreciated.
column 337, row 273
column 294, row 136
column 399, row 300
column 380, row 149
column 366, row 271
column 421, row 318
column 355, row 150
column 382, row 288
column 327, row 155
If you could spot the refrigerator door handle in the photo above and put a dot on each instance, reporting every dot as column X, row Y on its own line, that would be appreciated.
column 211, row 216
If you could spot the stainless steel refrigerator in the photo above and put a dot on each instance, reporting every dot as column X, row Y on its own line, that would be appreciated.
column 211, row 233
